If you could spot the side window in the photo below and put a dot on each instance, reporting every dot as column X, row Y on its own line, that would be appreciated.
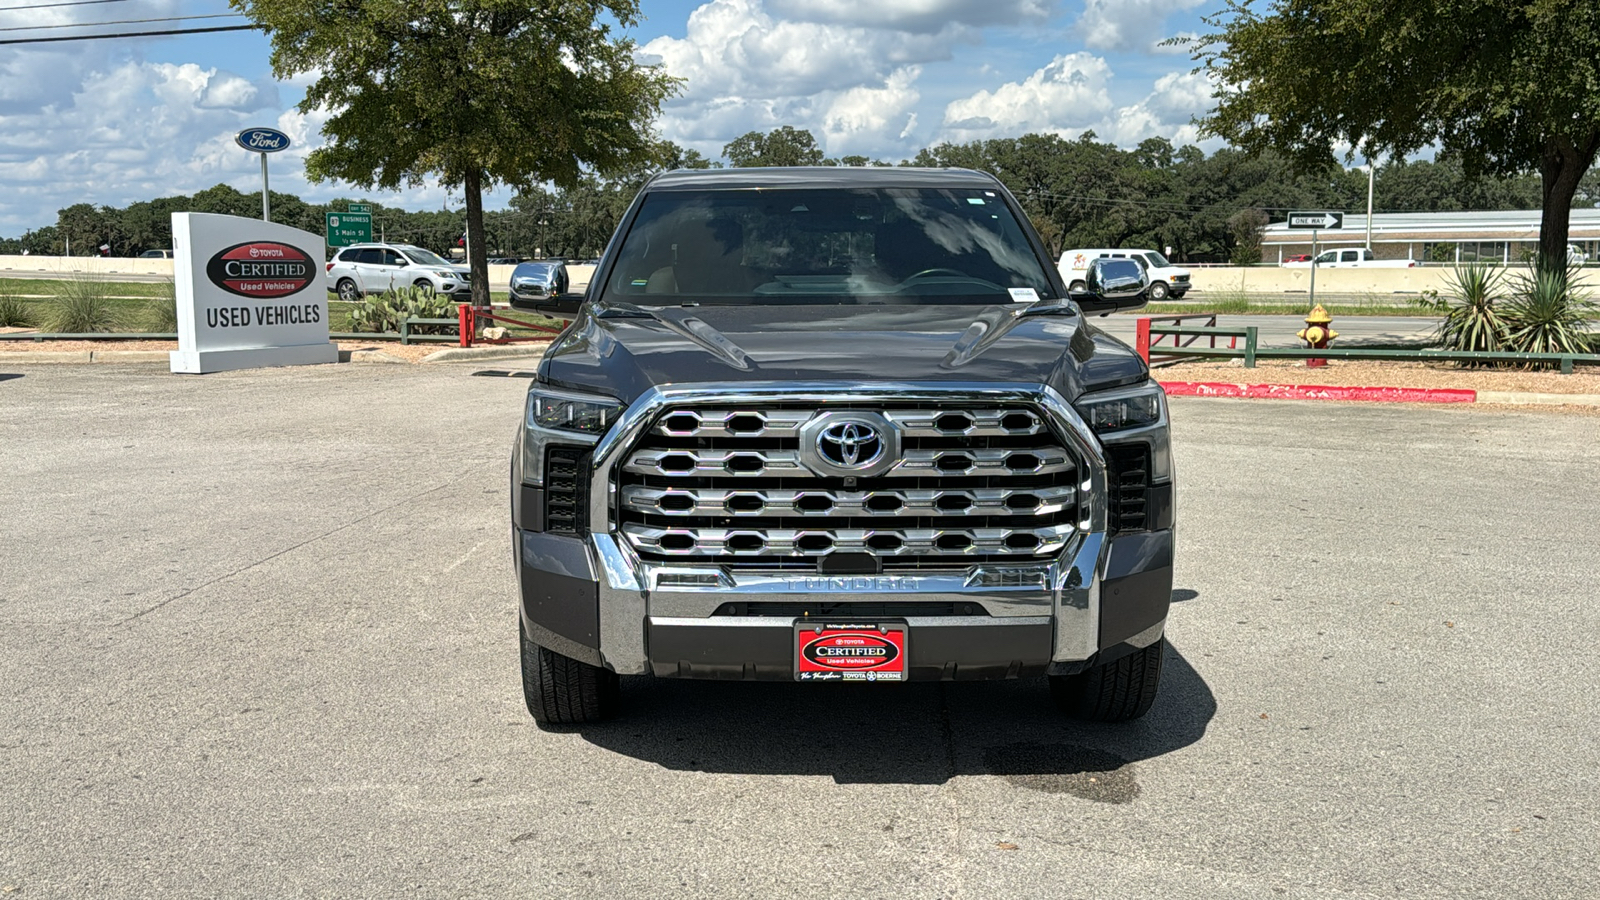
column 393, row 258
column 371, row 256
column 1348, row 256
column 1367, row 254
column 1330, row 256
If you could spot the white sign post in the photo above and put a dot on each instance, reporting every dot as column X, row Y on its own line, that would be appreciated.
column 250, row 294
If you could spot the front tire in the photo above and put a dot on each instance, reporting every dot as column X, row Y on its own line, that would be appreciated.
column 1119, row 691
column 1159, row 291
column 560, row 690
column 348, row 292
column 425, row 284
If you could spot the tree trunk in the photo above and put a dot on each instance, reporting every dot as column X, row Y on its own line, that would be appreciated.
column 1561, row 168
column 478, row 253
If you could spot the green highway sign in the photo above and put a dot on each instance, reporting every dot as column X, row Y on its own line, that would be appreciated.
column 346, row 228
column 360, row 208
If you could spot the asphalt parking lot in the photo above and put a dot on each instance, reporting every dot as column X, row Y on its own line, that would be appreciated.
column 256, row 637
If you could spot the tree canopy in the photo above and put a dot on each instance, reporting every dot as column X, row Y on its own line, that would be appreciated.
column 473, row 92
column 1082, row 193
column 1504, row 86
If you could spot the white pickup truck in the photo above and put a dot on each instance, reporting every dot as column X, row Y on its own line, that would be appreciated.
column 1348, row 258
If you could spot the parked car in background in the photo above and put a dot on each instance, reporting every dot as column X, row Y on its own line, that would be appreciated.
column 1166, row 279
column 1352, row 258
column 156, row 254
column 1297, row 258
column 362, row 269
column 1576, row 257
column 503, row 261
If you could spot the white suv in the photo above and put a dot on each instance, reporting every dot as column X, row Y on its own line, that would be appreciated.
column 361, row 269
column 1166, row 279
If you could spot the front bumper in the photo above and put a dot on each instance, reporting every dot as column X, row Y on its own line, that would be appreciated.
column 1108, row 598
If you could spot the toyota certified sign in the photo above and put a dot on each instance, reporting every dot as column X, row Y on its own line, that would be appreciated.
column 262, row 140
column 250, row 293
column 262, row 269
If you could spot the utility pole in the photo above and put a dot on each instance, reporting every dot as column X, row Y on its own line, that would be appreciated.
column 1371, row 176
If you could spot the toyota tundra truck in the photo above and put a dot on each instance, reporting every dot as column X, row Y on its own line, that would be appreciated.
column 841, row 425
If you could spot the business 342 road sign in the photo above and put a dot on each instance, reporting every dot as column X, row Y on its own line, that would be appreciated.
column 346, row 228
column 1316, row 220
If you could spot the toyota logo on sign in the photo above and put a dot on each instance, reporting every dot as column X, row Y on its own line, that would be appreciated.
column 849, row 444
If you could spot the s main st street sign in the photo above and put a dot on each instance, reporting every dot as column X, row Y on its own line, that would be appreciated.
column 346, row 228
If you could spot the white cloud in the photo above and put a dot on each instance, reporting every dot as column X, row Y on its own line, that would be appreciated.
column 1070, row 96
column 871, row 111
column 138, row 130
column 1063, row 97
column 746, row 70
column 1126, row 24
column 917, row 15
column 1176, row 99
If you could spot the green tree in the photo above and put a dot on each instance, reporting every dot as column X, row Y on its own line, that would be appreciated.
column 786, row 146
column 1507, row 86
column 473, row 92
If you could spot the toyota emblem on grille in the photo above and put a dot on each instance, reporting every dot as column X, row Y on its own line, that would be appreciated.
column 849, row 443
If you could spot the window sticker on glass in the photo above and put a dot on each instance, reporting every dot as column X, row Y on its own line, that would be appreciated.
column 1023, row 295
column 975, row 201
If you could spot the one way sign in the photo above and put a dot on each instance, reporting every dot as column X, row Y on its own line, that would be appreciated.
column 1316, row 220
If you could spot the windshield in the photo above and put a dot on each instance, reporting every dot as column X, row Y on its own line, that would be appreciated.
column 424, row 257
column 1157, row 260
column 826, row 245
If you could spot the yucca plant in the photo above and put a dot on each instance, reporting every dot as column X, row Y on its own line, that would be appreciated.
column 1549, row 312
column 14, row 312
column 1472, row 317
column 83, row 305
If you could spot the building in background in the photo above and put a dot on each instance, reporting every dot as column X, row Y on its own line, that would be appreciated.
column 1505, row 236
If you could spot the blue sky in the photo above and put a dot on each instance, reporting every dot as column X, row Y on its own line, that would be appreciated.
column 112, row 122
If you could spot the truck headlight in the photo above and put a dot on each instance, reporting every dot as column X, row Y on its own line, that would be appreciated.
column 1124, row 408
column 581, row 413
column 1129, row 415
column 562, row 417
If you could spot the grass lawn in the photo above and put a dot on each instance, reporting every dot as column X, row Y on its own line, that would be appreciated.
column 47, row 287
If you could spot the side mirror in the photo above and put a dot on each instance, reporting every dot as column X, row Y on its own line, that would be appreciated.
column 544, row 287
column 1113, row 284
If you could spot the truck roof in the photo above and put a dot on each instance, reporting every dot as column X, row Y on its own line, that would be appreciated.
column 819, row 176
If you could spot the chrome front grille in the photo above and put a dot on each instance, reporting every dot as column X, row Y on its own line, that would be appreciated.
column 730, row 485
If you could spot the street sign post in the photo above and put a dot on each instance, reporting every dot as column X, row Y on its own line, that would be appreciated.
column 348, row 228
column 1316, row 221
column 263, row 141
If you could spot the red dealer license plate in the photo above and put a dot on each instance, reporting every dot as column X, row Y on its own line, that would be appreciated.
column 850, row 651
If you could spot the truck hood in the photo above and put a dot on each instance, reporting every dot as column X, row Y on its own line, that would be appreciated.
column 623, row 351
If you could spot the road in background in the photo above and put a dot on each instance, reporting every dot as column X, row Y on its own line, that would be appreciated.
column 256, row 633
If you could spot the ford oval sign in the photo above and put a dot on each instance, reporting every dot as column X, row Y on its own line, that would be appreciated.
column 262, row 140
column 264, row 269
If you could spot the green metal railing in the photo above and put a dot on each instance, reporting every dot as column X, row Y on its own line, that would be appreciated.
column 1150, row 334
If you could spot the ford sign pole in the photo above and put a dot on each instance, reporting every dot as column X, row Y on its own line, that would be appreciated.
column 263, row 141
column 266, row 194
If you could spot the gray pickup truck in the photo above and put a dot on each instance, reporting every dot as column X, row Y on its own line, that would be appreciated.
column 841, row 424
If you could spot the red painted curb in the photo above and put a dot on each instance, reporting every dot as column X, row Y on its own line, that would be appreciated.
column 1319, row 392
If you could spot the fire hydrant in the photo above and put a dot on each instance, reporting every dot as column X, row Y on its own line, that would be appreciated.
column 1317, row 334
